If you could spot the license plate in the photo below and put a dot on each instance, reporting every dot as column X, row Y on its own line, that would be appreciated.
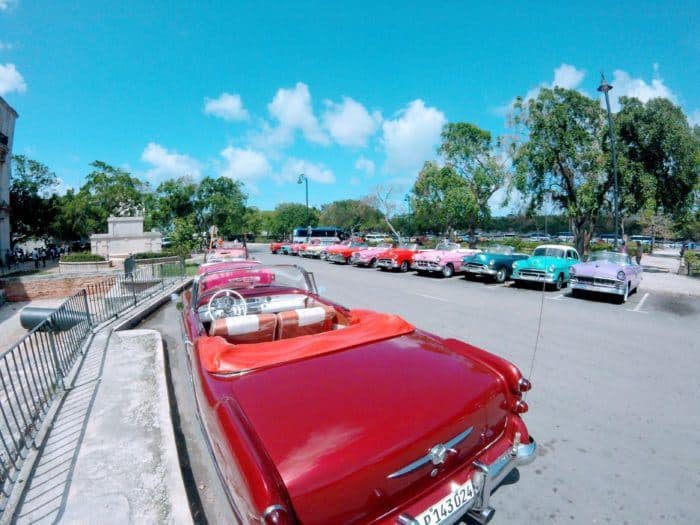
column 449, row 506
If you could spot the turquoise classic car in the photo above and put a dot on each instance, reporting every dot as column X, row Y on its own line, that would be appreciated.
column 495, row 263
column 548, row 264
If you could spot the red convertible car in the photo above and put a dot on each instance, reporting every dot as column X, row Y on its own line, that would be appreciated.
column 317, row 414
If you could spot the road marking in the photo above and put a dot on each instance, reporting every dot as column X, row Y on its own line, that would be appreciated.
column 560, row 296
column 432, row 297
column 639, row 305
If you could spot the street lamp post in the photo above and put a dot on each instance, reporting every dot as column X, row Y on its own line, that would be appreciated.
column 604, row 88
column 301, row 180
column 407, row 199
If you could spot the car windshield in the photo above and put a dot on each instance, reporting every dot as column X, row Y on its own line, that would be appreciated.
column 412, row 247
column 501, row 249
column 543, row 251
column 447, row 246
column 358, row 244
column 617, row 258
column 385, row 246
column 278, row 276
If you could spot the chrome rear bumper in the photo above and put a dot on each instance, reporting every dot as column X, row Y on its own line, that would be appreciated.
column 486, row 480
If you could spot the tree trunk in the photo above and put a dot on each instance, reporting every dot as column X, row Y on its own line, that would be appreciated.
column 472, row 241
column 582, row 230
column 391, row 227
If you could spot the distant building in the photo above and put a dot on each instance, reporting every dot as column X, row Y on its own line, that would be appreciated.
column 7, row 131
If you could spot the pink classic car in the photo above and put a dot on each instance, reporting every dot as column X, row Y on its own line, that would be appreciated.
column 369, row 256
column 446, row 259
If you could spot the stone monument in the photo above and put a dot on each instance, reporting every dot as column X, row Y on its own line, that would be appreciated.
column 125, row 235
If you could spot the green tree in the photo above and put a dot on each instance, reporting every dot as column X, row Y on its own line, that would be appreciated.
column 562, row 155
column 351, row 215
column 472, row 153
column 31, row 185
column 184, row 235
column 660, row 158
column 290, row 215
column 441, row 199
column 172, row 198
column 220, row 202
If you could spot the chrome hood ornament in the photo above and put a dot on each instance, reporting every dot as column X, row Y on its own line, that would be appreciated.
column 436, row 455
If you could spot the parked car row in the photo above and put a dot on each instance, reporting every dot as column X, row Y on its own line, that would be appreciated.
column 554, row 266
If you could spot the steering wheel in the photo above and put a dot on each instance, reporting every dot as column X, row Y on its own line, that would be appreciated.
column 237, row 303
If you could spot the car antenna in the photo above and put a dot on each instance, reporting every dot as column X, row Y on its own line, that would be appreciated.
column 539, row 319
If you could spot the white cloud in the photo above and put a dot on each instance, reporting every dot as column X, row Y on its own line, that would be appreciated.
column 6, row 4
column 349, row 122
column 292, row 108
column 228, row 106
column 365, row 164
column 410, row 139
column 568, row 77
column 315, row 172
column 694, row 118
column 246, row 164
column 168, row 163
column 565, row 76
column 625, row 85
column 11, row 79
column 6, row 46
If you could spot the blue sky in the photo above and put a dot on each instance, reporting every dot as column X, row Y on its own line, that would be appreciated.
column 352, row 95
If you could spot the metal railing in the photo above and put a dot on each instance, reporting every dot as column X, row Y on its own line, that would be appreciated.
column 32, row 371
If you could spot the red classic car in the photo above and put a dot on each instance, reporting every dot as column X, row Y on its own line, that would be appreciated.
column 317, row 414
column 343, row 253
column 399, row 258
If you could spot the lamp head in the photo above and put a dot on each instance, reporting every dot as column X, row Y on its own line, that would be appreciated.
column 604, row 86
column 301, row 178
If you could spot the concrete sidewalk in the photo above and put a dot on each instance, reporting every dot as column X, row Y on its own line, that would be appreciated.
column 661, row 275
column 110, row 456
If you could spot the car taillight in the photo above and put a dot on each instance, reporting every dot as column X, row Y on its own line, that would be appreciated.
column 276, row 515
column 524, row 385
column 520, row 407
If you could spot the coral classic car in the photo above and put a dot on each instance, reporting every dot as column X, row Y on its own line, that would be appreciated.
column 549, row 264
column 608, row 273
column 343, row 253
column 276, row 247
column 281, row 380
column 369, row 256
column 316, row 250
column 446, row 259
column 495, row 263
column 399, row 258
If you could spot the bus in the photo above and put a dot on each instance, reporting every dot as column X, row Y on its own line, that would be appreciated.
column 317, row 233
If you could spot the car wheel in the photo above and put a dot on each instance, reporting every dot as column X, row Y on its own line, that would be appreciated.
column 448, row 270
column 501, row 275
column 404, row 267
column 559, row 284
column 373, row 263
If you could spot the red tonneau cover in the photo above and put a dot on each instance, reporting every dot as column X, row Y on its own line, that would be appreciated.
column 366, row 326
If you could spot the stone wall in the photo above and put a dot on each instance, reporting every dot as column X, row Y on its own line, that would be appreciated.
column 84, row 267
column 7, row 131
column 29, row 288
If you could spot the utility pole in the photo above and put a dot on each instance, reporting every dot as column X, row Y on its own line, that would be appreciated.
column 301, row 180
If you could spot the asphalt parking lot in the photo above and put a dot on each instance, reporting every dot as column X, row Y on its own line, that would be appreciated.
column 614, row 402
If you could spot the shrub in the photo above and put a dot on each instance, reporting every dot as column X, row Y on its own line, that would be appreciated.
column 154, row 255
column 602, row 247
column 692, row 261
column 81, row 257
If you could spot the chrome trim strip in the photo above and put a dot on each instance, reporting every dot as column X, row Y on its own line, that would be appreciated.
column 428, row 457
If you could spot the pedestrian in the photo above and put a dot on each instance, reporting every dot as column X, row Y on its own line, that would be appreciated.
column 43, row 257
column 8, row 258
column 640, row 251
column 35, row 258
column 684, row 246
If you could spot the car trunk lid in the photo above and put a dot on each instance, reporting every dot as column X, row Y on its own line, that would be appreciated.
column 339, row 427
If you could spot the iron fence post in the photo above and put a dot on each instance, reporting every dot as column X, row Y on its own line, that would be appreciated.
column 56, row 363
column 87, row 308
column 133, row 289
